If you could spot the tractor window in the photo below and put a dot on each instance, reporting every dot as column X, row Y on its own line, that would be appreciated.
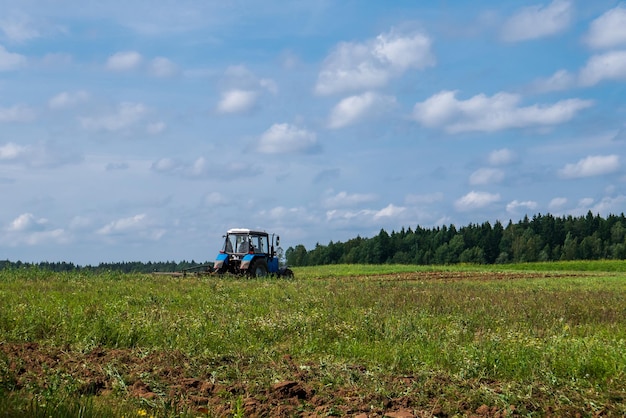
column 242, row 243
column 228, row 245
column 260, row 244
column 263, row 244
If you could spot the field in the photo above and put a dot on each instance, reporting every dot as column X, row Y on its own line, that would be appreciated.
column 397, row 341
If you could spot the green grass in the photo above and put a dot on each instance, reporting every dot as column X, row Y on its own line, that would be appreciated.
column 343, row 270
column 537, row 342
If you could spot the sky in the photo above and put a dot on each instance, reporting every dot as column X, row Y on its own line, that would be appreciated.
column 141, row 131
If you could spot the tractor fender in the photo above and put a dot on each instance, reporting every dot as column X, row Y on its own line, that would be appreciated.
column 246, row 260
column 220, row 261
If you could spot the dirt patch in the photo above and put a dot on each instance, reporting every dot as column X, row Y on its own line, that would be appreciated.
column 228, row 386
column 168, row 378
column 452, row 276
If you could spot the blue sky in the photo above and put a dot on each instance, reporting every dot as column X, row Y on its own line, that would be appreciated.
column 142, row 130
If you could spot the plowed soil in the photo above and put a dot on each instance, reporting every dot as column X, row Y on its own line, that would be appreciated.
column 160, row 378
column 165, row 378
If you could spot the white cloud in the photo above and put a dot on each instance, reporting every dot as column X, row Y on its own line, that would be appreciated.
column 561, row 80
column 67, row 99
column 358, row 66
column 198, row 168
column 585, row 203
column 282, row 214
column 595, row 165
column 336, row 214
column 165, row 165
column 137, row 227
column 290, row 60
column 18, row 27
column 610, row 205
column 285, row 138
column 11, row 151
column 390, row 211
column 484, row 176
column 423, row 199
column 608, row 66
column 124, row 61
column 27, row 229
column 242, row 89
column 17, row 113
column 343, row 199
column 354, row 108
column 80, row 223
column 57, row 60
column 513, row 206
column 537, row 21
column 488, row 114
column 269, row 85
column 126, row 116
column 56, row 236
column 10, row 61
column 27, row 222
column 42, row 154
column 117, row 166
column 475, row 200
column 215, row 199
column 163, row 67
column 201, row 168
column 403, row 52
column 606, row 205
column 240, row 77
column 557, row 203
column 365, row 215
column 237, row 101
column 156, row 128
column 609, row 30
column 123, row 225
column 501, row 157
column 240, row 73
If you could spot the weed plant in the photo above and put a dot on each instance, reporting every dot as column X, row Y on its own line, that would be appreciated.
column 536, row 342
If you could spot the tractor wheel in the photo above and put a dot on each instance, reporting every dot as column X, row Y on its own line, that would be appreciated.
column 287, row 273
column 258, row 268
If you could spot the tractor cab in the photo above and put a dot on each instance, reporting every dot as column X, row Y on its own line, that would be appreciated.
column 245, row 242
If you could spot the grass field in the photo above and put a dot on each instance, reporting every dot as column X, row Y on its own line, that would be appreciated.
column 515, row 340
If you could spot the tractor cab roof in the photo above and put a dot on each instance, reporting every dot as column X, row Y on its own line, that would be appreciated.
column 246, row 231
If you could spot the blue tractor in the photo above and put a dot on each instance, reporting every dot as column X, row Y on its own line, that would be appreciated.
column 250, row 253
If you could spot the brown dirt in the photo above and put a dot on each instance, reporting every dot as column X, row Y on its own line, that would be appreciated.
column 452, row 276
column 163, row 379
column 174, row 380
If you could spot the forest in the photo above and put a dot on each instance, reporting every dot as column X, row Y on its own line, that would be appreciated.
column 122, row 267
column 540, row 238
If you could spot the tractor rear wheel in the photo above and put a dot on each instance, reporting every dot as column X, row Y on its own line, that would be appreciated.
column 258, row 268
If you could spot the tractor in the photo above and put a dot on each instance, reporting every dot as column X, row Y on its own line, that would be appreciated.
column 250, row 253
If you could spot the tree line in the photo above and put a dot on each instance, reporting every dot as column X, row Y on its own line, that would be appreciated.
column 542, row 238
column 124, row 267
